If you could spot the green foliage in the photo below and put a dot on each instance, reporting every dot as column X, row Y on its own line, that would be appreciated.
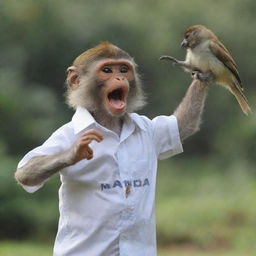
column 39, row 42
column 22, row 214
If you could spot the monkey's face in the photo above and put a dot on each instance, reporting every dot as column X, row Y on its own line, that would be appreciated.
column 104, row 79
column 195, row 35
column 115, row 78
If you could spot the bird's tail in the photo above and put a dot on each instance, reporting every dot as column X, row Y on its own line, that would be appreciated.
column 242, row 100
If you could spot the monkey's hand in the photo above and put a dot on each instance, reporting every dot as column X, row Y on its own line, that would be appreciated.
column 208, row 77
column 81, row 149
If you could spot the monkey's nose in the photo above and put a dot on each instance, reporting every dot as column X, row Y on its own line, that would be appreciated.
column 120, row 78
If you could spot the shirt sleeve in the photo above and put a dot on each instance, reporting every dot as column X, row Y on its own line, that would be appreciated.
column 166, row 136
column 53, row 145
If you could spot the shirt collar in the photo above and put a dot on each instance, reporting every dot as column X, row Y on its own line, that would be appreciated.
column 82, row 119
column 138, row 122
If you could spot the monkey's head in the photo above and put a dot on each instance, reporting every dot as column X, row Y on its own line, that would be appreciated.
column 104, row 79
column 195, row 35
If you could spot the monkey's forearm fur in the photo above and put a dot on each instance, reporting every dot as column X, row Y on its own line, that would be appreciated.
column 41, row 168
column 190, row 110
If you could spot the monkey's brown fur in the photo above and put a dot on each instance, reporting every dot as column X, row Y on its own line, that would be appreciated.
column 87, row 93
column 104, row 50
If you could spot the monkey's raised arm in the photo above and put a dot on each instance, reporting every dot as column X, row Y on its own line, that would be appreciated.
column 40, row 168
column 189, row 112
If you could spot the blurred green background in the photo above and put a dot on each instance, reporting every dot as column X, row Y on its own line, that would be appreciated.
column 206, row 196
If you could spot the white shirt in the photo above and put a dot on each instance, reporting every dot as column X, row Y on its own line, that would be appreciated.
column 96, row 217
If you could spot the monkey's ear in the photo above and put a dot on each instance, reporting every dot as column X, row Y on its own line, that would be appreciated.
column 73, row 77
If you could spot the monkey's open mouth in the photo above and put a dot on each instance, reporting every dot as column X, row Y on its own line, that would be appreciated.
column 117, row 98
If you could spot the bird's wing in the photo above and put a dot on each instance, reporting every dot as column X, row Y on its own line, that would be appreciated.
column 223, row 55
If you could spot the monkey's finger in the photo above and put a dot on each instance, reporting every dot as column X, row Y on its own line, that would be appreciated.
column 92, row 135
column 165, row 57
column 89, row 150
column 93, row 132
column 89, row 157
column 89, row 138
column 89, row 153
column 85, row 153
column 84, row 145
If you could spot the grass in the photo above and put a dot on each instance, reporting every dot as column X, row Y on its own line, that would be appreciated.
column 29, row 248
column 206, row 209
column 188, row 252
column 24, row 248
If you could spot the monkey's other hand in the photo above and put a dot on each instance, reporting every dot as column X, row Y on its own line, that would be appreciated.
column 165, row 57
column 207, row 78
column 81, row 149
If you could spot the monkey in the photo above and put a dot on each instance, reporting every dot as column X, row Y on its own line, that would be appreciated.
column 120, row 94
column 206, row 54
column 106, row 155
column 111, row 87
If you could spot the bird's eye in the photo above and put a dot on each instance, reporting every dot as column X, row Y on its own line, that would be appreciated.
column 106, row 70
column 124, row 69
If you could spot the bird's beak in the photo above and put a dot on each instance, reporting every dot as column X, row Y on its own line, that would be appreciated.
column 184, row 43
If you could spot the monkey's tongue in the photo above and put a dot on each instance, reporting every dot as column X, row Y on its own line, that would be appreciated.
column 116, row 103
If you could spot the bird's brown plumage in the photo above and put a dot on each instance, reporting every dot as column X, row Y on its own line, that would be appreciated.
column 223, row 55
column 206, row 53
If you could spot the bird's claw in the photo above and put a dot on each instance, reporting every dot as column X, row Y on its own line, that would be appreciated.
column 206, row 77
column 175, row 61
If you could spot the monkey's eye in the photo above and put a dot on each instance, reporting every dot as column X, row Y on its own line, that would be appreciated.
column 124, row 69
column 186, row 36
column 106, row 70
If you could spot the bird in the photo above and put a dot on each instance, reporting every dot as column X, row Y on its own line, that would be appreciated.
column 209, row 59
